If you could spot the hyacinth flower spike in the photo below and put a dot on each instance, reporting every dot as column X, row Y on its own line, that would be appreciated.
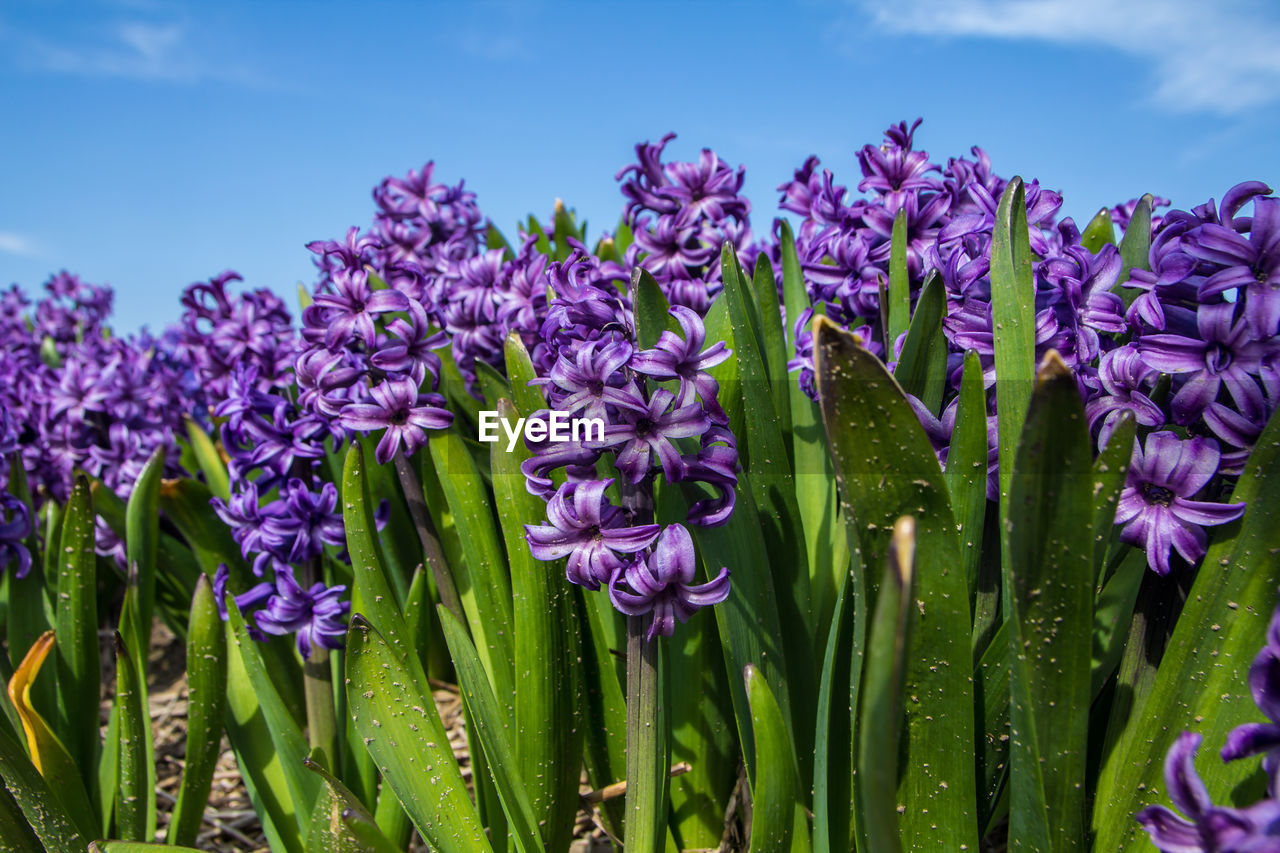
column 590, row 531
column 661, row 583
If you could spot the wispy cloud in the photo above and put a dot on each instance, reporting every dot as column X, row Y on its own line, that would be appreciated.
column 17, row 244
column 148, row 50
column 1217, row 57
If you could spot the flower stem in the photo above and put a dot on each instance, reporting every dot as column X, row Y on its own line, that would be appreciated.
column 317, row 684
column 431, row 550
column 647, row 747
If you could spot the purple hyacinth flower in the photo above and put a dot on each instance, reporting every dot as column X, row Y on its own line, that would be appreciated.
column 661, row 583
column 315, row 615
column 1156, row 507
column 249, row 523
column 586, row 378
column 686, row 360
column 1123, row 375
column 410, row 350
column 351, row 308
column 307, row 521
column 1225, row 353
column 15, row 527
column 649, row 428
column 1206, row 828
column 586, row 528
column 1251, row 262
column 405, row 414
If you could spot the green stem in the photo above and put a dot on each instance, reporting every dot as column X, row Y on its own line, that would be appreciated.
column 317, row 686
column 647, row 747
column 432, row 553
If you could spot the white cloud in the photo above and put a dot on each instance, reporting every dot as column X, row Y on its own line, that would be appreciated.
column 136, row 50
column 16, row 244
column 1214, row 56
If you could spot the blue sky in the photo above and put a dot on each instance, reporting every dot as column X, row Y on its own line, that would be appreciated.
column 148, row 144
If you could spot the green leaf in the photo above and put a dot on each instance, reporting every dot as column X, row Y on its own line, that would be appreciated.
column 132, row 791
column 1110, row 471
column 1099, row 232
column 142, row 535
column 209, row 460
column 484, row 586
column 1013, row 315
column 650, row 307
column 967, row 467
column 76, row 655
column 1135, row 247
column 886, row 469
column 899, row 307
column 494, row 239
column 135, row 847
column 46, row 786
column 520, row 372
column 267, row 740
column 489, row 719
column 1225, row 619
column 338, row 813
column 1049, row 586
column 14, row 829
column 773, row 337
column 304, row 297
column 206, row 711
column 186, row 503
column 492, row 383
column 922, row 367
column 826, row 544
column 777, row 816
column 1112, row 615
column 833, row 805
column 773, row 489
column 546, row 649
column 883, row 683
column 398, row 722
column 991, row 695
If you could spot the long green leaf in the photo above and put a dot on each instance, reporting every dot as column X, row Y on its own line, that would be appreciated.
column 142, row 535
column 268, row 743
column 967, row 467
column 1049, row 585
column 922, row 366
column 14, row 829
column 398, row 722
column 206, row 711
column 773, row 337
column 76, row 651
column 883, row 686
column 1013, row 315
column 833, row 805
column 1110, row 471
column 777, row 817
column 773, row 487
column 1134, row 247
column 484, row 587
column 337, row 815
column 209, row 460
column 899, row 307
column 546, row 648
column 1224, row 621
column 489, row 718
column 886, row 468
column 132, row 791
column 649, row 306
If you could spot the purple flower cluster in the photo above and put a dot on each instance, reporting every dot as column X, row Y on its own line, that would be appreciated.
column 1195, row 357
column 77, row 397
column 426, row 257
column 1221, row 829
column 598, row 370
column 241, row 351
column 680, row 215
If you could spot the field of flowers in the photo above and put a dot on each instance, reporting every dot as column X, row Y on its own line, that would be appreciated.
column 921, row 519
